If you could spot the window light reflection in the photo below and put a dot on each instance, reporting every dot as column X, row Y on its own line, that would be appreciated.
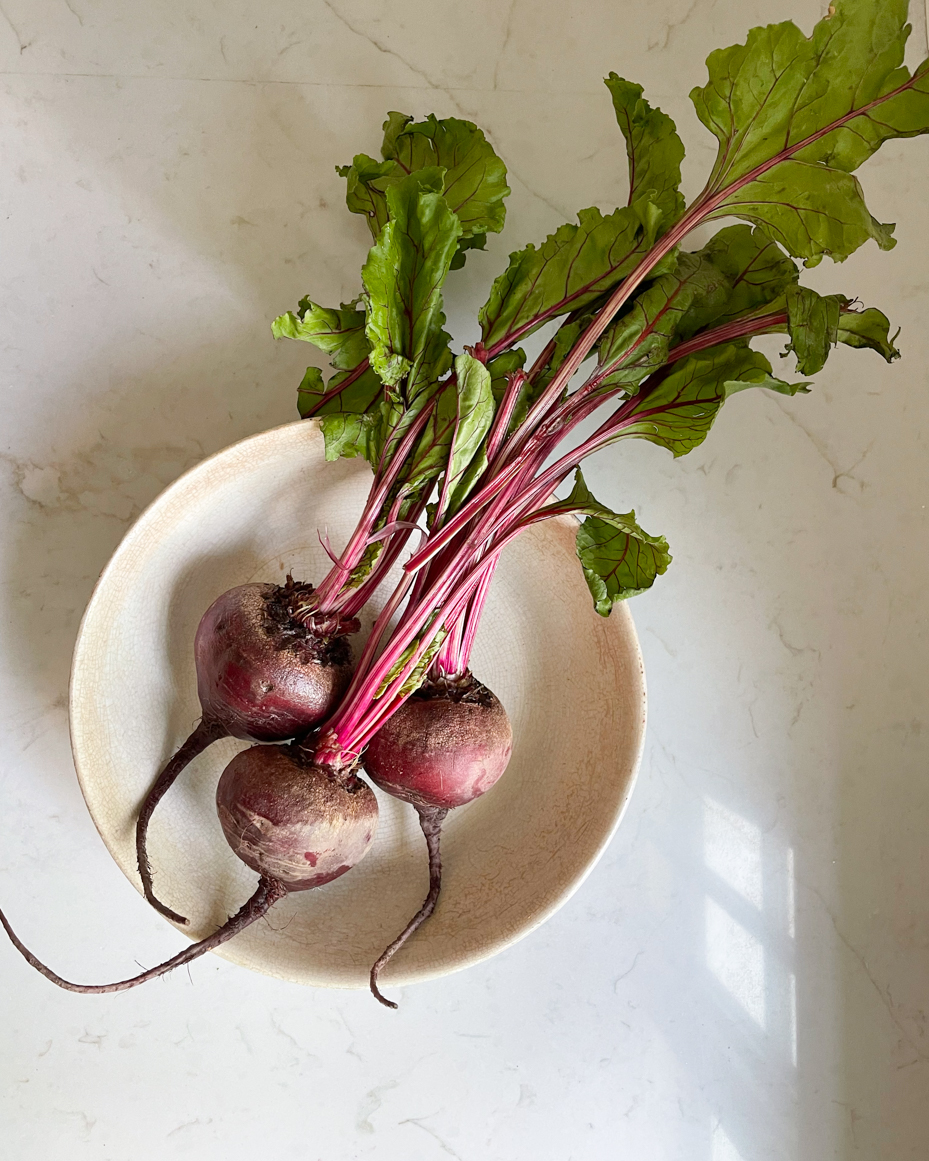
column 736, row 959
column 723, row 1148
column 732, row 848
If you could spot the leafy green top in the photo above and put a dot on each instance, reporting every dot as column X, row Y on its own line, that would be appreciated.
column 473, row 176
column 794, row 116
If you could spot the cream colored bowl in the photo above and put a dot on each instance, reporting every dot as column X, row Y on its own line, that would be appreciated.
column 571, row 681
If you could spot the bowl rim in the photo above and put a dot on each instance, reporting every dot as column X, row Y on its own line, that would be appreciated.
column 398, row 977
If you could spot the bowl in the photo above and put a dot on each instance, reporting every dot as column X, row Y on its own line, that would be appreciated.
column 572, row 682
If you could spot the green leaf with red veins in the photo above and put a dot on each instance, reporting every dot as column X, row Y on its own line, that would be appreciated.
column 754, row 273
column 811, row 210
column 654, row 150
column 345, row 392
column 475, row 416
column 678, row 411
column 455, row 430
column 813, row 325
column 311, row 392
column 795, row 115
column 474, row 179
column 430, row 455
column 637, row 344
column 340, row 333
column 572, row 268
column 816, row 323
column 403, row 277
column 619, row 559
column 366, row 182
column 348, row 434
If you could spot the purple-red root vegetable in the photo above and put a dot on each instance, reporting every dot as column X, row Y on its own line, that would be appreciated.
column 447, row 745
column 261, row 675
column 299, row 826
column 292, row 820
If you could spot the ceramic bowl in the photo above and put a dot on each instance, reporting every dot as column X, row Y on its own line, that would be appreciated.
column 572, row 682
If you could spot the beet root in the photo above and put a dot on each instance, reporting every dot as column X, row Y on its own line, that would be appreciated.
column 297, row 824
column 262, row 675
column 447, row 745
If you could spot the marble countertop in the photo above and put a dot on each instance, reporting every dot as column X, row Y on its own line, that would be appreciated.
column 745, row 976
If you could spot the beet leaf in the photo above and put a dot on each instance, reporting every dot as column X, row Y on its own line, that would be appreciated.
column 619, row 559
column 795, row 116
column 679, row 408
column 654, row 150
column 474, row 179
column 573, row 267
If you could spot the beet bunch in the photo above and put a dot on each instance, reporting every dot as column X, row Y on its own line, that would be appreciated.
column 645, row 339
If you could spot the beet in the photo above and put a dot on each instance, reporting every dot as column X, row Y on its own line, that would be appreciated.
column 298, row 825
column 262, row 675
column 445, row 746
column 294, row 821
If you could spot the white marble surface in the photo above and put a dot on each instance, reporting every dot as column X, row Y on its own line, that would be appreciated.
column 745, row 975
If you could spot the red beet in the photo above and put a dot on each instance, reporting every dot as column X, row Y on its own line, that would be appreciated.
column 299, row 826
column 262, row 674
column 447, row 745
column 294, row 821
column 444, row 747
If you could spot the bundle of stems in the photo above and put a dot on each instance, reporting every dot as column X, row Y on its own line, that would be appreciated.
column 668, row 330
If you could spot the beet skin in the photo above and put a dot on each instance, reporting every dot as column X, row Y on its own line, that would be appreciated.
column 292, row 821
column 260, row 674
column 440, row 749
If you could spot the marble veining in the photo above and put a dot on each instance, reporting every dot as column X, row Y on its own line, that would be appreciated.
column 743, row 977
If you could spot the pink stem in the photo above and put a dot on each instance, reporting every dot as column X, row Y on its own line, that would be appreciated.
column 462, row 518
column 473, row 617
column 352, row 718
column 378, row 711
column 328, row 591
column 356, row 599
column 504, row 414
column 446, row 660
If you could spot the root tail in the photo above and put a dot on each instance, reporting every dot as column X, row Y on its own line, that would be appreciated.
column 267, row 894
column 430, row 819
column 204, row 735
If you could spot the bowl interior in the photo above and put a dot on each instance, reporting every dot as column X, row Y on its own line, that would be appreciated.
column 571, row 681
